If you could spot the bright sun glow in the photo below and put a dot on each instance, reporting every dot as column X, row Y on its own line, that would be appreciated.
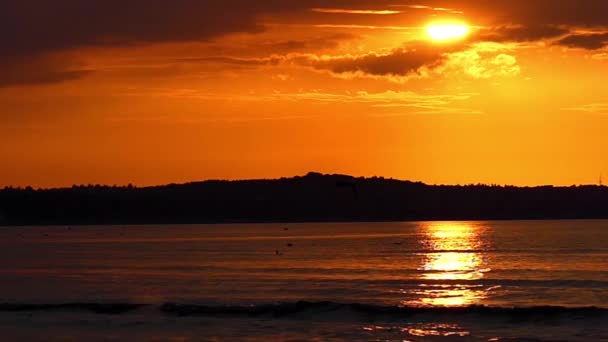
column 447, row 31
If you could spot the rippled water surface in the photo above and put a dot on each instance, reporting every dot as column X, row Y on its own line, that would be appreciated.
column 433, row 269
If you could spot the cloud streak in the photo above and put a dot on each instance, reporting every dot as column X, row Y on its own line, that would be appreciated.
column 39, row 70
column 411, row 102
column 591, row 41
column 521, row 33
column 353, row 11
column 592, row 108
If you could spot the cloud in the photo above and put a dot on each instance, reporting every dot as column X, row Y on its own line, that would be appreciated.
column 586, row 13
column 368, row 27
column 379, row 102
column 535, row 20
column 480, row 61
column 353, row 11
column 424, row 7
column 326, row 41
column 398, row 62
column 592, row 108
column 31, row 27
column 245, row 62
column 521, row 33
column 591, row 41
column 600, row 56
column 480, row 65
column 39, row 70
column 31, row 30
column 397, row 103
column 394, row 64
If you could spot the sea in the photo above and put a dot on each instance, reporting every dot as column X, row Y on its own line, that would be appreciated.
column 390, row 281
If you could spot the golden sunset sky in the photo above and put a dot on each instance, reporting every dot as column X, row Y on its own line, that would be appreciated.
column 152, row 92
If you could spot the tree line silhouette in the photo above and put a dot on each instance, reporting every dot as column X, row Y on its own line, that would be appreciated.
column 311, row 198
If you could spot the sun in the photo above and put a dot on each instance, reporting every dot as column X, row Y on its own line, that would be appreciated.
column 447, row 31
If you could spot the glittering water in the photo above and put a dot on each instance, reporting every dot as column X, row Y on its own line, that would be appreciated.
column 380, row 267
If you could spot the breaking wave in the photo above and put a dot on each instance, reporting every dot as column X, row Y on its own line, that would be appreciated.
column 323, row 310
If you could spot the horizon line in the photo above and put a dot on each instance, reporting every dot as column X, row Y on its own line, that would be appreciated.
column 308, row 174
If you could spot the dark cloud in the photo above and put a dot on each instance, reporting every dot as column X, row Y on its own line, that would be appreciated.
column 592, row 41
column 32, row 29
column 589, row 13
column 399, row 62
column 265, row 46
column 536, row 20
column 37, row 26
column 12, row 77
column 315, row 43
column 277, row 51
column 38, row 70
column 521, row 33
column 245, row 62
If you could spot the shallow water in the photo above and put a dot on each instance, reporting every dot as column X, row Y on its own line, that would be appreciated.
column 407, row 281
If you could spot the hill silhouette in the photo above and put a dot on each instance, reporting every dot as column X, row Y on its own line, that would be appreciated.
column 314, row 197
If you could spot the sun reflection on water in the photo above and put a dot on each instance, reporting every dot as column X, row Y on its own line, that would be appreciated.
column 454, row 252
column 420, row 330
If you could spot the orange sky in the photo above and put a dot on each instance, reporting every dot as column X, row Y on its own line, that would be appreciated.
column 153, row 92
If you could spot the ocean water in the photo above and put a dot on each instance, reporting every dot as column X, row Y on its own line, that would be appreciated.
column 408, row 281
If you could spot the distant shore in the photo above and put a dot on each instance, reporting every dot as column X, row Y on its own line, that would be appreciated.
column 284, row 223
column 311, row 198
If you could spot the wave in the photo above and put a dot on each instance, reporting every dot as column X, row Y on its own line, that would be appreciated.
column 99, row 308
column 326, row 310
